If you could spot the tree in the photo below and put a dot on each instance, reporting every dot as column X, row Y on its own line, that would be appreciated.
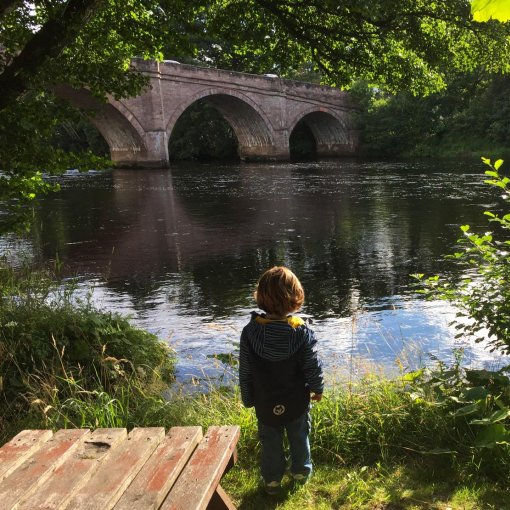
column 86, row 43
column 405, row 44
column 471, row 116
column 397, row 45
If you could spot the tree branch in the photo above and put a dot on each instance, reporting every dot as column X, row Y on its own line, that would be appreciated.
column 57, row 33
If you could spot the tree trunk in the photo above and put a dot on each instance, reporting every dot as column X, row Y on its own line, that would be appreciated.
column 57, row 33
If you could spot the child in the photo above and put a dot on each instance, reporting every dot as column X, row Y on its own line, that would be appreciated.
column 279, row 372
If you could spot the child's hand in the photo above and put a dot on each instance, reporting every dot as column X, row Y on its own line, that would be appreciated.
column 316, row 396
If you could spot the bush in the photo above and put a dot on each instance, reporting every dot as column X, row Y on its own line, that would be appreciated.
column 54, row 344
column 483, row 294
column 479, row 400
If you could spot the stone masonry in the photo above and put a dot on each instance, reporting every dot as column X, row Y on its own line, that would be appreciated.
column 262, row 110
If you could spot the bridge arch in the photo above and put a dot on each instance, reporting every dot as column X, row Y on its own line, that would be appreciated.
column 121, row 130
column 251, row 125
column 329, row 129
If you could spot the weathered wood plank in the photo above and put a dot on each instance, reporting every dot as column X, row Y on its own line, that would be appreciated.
column 220, row 500
column 201, row 476
column 35, row 470
column 78, row 468
column 19, row 448
column 157, row 476
column 105, row 488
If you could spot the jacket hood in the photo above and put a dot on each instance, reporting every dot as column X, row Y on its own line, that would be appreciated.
column 275, row 339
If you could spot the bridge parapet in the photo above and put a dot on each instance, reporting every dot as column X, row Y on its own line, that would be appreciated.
column 268, row 83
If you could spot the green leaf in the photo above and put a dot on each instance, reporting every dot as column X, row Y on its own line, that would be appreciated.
column 481, row 377
column 439, row 451
column 492, row 435
column 417, row 397
column 412, row 376
column 499, row 162
column 500, row 415
column 475, row 394
column 484, row 10
column 467, row 410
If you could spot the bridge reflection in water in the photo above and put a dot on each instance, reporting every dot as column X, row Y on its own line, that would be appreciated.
column 182, row 249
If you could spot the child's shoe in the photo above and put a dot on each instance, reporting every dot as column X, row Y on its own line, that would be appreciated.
column 299, row 478
column 273, row 488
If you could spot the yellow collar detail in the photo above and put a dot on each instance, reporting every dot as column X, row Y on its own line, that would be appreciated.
column 295, row 322
column 292, row 321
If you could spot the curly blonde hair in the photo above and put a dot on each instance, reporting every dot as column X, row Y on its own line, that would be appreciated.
column 279, row 291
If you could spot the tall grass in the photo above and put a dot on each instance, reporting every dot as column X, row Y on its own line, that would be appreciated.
column 375, row 441
column 64, row 362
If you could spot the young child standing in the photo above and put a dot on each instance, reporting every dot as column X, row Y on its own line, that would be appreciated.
column 279, row 372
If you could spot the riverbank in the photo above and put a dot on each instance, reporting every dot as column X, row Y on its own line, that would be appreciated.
column 374, row 447
column 63, row 362
column 449, row 150
column 426, row 439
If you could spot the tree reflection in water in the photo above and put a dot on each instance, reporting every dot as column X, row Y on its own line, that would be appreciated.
column 181, row 249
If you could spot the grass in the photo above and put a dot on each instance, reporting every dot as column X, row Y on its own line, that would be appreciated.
column 65, row 363
column 371, row 444
column 377, row 488
column 371, row 447
column 377, row 443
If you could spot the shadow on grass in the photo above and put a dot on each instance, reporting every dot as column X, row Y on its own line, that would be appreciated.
column 257, row 498
column 416, row 486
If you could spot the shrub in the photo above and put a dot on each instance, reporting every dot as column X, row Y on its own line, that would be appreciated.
column 483, row 294
column 52, row 342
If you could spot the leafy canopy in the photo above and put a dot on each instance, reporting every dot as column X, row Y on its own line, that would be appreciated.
column 409, row 45
column 404, row 44
column 86, row 43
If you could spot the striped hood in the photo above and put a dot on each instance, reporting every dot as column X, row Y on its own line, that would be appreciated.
column 276, row 340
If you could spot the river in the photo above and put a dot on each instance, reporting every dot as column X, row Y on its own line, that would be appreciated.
column 180, row 251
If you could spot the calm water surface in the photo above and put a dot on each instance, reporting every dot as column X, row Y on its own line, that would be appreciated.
column 180, row 250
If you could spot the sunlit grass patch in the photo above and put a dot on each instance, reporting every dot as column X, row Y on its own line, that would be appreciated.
column 377, row 487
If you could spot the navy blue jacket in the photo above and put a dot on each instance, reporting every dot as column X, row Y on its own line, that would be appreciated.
column 278, row 368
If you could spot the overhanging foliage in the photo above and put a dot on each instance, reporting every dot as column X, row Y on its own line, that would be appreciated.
column 407, row 44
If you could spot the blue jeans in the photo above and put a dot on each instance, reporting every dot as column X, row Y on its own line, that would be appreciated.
column 273, row 462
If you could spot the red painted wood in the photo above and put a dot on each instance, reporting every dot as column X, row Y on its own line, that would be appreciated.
column 78, row 468
column 201, row 476
column 38, row 467
column 157, row 476
column 109, row 482
column 18, row 449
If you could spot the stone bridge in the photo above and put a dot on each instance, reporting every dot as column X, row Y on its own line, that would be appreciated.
column 262, row 111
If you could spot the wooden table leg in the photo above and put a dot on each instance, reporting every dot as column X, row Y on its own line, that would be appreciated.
column 220, row 500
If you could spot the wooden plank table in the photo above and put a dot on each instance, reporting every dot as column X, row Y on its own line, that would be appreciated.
column 110, row 469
